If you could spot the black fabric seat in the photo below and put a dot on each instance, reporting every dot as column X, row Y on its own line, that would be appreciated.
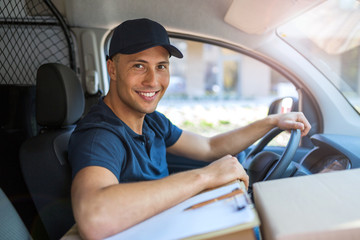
column 43, row 158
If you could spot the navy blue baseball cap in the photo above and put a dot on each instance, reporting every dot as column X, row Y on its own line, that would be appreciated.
column 136, row 35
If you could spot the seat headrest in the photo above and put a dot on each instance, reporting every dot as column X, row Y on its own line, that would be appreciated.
column 59, row 96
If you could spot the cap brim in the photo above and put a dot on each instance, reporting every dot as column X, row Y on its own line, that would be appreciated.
column 173, row 51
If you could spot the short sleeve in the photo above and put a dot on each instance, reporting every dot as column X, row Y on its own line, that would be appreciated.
column 96, row 147
column 173, row 135
column 164, row 127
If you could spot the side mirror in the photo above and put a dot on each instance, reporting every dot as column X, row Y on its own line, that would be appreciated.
column 284, row 105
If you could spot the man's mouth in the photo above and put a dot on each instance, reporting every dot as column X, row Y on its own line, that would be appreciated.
column 147, row 94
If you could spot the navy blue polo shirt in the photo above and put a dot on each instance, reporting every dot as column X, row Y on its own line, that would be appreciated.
column 102, row 139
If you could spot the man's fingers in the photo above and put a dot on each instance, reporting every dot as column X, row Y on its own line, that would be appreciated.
column 298, row 121
column 243, row 176
column 245, row 179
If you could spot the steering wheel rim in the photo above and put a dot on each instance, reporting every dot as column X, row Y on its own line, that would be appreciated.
column 276, row 170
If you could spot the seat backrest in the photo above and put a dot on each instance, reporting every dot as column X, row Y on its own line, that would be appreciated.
column 43, row 158
column 11, row 225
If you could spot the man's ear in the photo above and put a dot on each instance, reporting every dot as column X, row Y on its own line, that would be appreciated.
column 111, row 69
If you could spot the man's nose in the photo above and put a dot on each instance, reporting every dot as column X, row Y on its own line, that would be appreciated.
column 150, row 78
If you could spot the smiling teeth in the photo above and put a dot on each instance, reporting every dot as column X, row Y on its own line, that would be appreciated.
column 148, row 94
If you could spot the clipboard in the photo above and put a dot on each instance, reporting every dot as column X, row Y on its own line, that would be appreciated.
column 218, row 220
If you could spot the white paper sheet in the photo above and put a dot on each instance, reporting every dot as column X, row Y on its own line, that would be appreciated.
column 175, row 223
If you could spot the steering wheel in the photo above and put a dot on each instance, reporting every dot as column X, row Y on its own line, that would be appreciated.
column 264, row 165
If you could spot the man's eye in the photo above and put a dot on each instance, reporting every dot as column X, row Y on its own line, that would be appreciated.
column 161, row 67
column 140, row 66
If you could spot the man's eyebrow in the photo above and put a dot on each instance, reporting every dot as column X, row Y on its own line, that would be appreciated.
column 144, row 61
column 138, row 60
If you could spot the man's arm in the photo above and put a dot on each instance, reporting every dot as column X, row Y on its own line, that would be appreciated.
column 103, row 207
column 209, row 149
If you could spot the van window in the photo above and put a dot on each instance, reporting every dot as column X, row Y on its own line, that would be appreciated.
column 328, row 36
column 214, row 89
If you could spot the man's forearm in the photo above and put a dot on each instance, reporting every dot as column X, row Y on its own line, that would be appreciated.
column 239, row 139
column 209, row 149
column 106, row 211
column 103, row 207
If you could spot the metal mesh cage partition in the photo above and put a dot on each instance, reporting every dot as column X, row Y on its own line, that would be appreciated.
column 32, row 33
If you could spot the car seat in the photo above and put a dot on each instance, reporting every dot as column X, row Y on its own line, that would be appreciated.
column 11, row 225
column 43, row 158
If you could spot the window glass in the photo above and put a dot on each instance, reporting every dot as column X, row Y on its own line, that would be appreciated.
column 329, row 37
column 213, row 89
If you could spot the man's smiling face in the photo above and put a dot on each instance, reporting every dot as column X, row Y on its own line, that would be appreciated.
column 141, row 79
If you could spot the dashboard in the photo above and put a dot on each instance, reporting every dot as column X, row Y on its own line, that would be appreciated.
column 332, row 153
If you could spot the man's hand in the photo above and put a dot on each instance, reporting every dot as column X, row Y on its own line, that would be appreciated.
column 292, row 120
column 225, row 170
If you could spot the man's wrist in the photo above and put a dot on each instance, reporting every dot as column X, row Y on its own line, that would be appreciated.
column 272, row 121
column 202, row 177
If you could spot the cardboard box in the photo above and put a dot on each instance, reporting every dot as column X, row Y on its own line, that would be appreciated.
column 320, row 206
